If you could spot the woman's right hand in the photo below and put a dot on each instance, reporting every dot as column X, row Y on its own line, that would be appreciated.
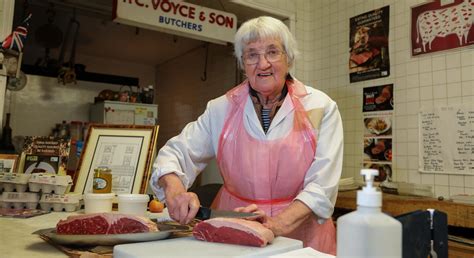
column 182, row 207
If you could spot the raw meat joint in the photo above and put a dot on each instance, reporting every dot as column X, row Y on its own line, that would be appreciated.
column 104, row 223
column 233, row 231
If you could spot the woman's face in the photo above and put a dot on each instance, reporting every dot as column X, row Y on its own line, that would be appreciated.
column 266, row 78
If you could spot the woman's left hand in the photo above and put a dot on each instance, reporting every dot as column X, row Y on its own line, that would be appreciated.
column 275, row 225
column 253, row 208
column 269, row 222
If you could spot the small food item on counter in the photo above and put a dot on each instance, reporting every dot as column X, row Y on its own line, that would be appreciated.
column 233, row 231
column 98, row 202
column 156, row 206
column 105, row 223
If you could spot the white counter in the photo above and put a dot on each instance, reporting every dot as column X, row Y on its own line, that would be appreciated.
column 17, row 239
column 189, row 247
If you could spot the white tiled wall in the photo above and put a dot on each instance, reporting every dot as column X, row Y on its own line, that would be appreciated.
column 434, row 79
column 322, row 32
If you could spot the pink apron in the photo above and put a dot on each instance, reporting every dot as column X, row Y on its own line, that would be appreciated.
column 269, row 173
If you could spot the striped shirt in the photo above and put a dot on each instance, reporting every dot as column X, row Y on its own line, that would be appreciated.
column 265, row 115
column 266, row 119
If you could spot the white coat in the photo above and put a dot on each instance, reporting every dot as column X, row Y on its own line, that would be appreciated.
column 188, row 153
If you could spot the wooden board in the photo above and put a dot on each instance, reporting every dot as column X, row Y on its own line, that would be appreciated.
column 107, row 251
column 459, row 215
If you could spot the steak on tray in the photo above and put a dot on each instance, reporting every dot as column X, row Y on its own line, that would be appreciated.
column 104, row 223
column 233, row 231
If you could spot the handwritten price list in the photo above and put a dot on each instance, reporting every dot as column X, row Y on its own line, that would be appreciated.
column 446, row 140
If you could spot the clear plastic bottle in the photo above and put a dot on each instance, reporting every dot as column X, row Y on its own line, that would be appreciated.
column 145, row 95
column 6, row 143
column 368, row 232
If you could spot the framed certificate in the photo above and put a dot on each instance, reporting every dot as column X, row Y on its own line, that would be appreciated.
column 128, row 150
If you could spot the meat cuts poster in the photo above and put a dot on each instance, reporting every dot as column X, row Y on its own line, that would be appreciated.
column 368, row 44
column 436, row 27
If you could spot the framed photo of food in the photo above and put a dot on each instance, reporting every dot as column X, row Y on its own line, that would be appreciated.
column 378, row 98
column 378, row 126
column 378, row 149
column 385, row 171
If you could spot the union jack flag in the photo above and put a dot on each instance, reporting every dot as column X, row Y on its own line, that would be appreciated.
column 16, row 39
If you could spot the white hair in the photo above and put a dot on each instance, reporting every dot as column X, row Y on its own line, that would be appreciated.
column 264, row 27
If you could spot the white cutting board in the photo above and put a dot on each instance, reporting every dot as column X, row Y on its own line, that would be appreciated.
column 190, row 247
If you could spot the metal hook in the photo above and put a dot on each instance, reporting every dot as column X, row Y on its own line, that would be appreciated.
column 204, row 77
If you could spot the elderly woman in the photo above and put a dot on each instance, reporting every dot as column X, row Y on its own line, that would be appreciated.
column 277, row 142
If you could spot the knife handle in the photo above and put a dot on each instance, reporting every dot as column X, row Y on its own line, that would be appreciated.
column 203, row 213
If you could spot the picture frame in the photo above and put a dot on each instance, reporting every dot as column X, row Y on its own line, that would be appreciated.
column 8, row 163
column 45, row 154
column 128, row 150
column 435, row 27
column 10, row 62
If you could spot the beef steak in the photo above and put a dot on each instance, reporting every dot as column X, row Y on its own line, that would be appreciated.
column 104, row 223
column 233, row 231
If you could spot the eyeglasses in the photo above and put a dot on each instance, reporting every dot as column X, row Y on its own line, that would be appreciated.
column 271, row 55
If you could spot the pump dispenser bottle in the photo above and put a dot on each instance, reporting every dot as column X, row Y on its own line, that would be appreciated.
column 367, row 232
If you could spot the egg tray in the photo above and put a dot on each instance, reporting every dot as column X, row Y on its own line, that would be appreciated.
column 68, row 207
column 10, row 182
column 10, row 187
column 19, row 200
column 47, row 183
column 47, row 188
column 60, row 202
column 19, row 205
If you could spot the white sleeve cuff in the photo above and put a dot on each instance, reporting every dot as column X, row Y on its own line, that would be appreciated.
column 157, row 174
column 317, row 201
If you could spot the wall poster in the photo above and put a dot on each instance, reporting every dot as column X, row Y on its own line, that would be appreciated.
column 368, row 44
column 436, row 27
column 377, row 108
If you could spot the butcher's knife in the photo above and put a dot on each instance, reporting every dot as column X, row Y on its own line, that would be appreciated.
column 207, row 213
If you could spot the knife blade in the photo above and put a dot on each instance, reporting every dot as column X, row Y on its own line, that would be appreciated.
column 205, row 213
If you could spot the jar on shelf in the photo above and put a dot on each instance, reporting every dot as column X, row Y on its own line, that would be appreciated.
column 102, row 182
